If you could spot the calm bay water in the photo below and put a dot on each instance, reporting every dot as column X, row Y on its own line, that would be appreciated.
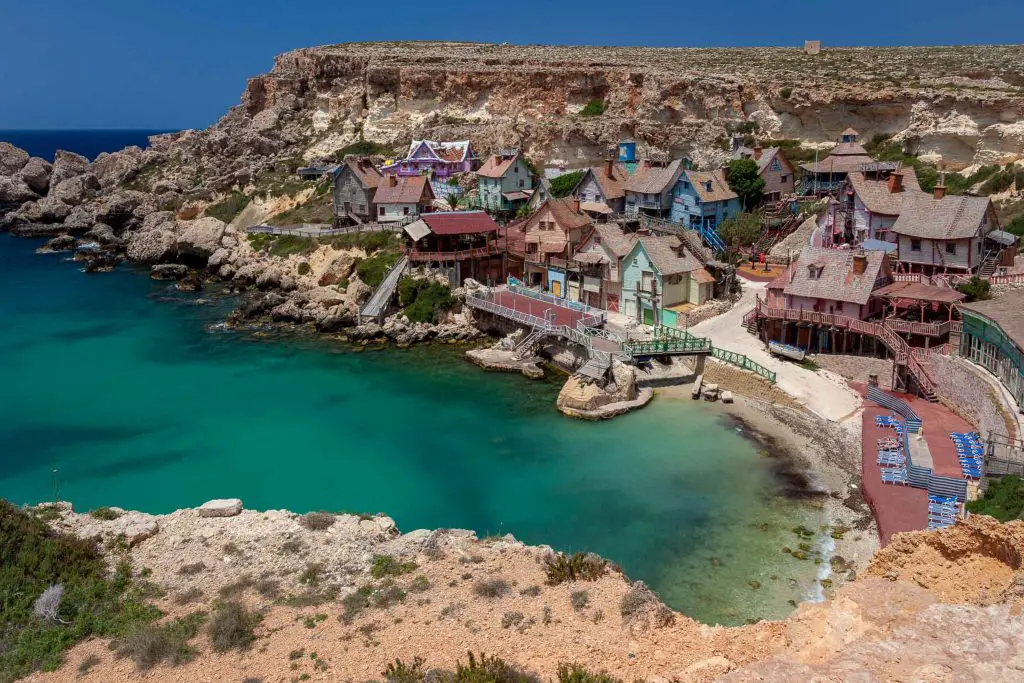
column 137, row 398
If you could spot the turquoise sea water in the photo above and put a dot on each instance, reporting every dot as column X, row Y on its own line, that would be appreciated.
column 137, row 399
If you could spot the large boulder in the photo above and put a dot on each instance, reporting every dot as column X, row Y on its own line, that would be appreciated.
column 36, row 175
column 199, row 239
column 125, row 209
column 113, row 169
column 46, row 210
column 75, row 190
column 340, row 269
column 14, row 191
column 153, row 246
column 168, row 271
column 221, row 507
column 82, row 217
column 104, row 234
column 67, row 165
column 12, row 158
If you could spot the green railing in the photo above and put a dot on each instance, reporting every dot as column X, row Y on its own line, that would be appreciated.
column 741, row 361
column 668, row 345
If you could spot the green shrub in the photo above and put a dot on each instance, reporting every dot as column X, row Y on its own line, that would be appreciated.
column 594, row 107
column 563, row 185
column 510, row 619
column 424, row 300
column 34, row 557
column 368, row 241
column 355, row 602
column 579, row 599
column 87, row 664
column 420, row 584
column 304, row 268
column 976, row 289
column 104, row 513
column 372, row 270
column 312, row 574
column 563, row 568
column 232, row 627
column 388, row 595
column 229, row 207
column 385, row 565
column 1003, row 499
column 286, row 245
column 400, row 672
column 575, row 673
column 785, row 93
column 491, row 588
column 317, row 521
column 363, row 148
column 149, row 644
column 260, row 241
column 491, row 670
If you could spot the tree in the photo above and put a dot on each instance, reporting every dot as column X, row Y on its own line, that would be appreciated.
column 564, row 184
column 453, row 200
column 741, row 231
column 976, row 289
column 745, row 181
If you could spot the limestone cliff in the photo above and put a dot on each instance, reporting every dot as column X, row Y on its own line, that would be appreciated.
column 964, row 103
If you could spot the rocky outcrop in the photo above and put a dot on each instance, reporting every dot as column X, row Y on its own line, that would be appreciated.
column 199, row 239
column 67, row 165
column 593, row 400
column 36, row 175
column 12, row 159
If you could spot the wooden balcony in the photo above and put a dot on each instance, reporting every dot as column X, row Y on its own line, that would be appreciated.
column 417, row 256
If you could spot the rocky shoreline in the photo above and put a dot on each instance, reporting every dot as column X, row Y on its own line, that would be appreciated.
column 449, row 591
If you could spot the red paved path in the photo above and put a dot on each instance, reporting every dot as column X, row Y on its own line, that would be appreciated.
column 904, row 508
column 537, row 308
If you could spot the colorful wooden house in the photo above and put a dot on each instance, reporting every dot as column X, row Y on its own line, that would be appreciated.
column 773, row 166
column 661, row 273
column 462, row 244
column 601, row 189
column 702, row 199
column 834, row 281
column 649, row 189
column 551, row 237
column 398, row 198
column 435, row 159
column 355, row 184
column 504, row 182
column 829, row 174
column 600, row 257
column 940, row 234
column 871, row 203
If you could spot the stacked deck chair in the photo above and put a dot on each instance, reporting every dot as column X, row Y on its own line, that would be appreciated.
column 942, row 512
column 970, row 451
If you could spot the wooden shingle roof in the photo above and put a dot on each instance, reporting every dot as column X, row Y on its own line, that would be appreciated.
column 877, row 195
column 653, row 179
column 703, row 180
column 954, row 217
column 833, row 277
column 407, row 190
column 669, row 255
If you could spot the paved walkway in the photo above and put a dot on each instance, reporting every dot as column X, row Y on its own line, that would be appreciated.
column 820, row 392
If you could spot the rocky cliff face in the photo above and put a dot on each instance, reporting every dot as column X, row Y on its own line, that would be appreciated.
column 964, row 104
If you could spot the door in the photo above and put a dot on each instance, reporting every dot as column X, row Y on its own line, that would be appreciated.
column 613, row 303
column 646, row 279
column 556, row 288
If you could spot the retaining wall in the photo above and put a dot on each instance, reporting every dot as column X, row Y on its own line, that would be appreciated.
column 968, row 395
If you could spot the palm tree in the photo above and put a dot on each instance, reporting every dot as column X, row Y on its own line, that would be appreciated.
column 454, row 201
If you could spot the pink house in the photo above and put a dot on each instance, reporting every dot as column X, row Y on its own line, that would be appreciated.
column 834, row 281
column 439, row 159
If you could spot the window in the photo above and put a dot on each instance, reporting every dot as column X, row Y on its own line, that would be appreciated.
column 915, row 245
column 839, row 307
column 521, row 182
column 381, row 210
column 951, row 248
column 405, row 211
column 785, row 177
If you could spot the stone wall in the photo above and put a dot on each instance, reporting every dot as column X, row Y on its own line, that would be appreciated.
column 706, row 311
column 857, row 368
column 975, row 400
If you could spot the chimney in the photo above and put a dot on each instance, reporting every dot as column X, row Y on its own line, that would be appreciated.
column 737, row 141
column 860, row 264
column 757, row 151
column 609, row 166
column 940, row 189
column 725, row 174
column 896, row 182
column 576, row 204
column 498, row 158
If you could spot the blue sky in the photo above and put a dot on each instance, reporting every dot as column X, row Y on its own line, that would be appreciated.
column 182, row 63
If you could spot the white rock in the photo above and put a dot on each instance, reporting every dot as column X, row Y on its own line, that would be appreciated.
column 222, row 507
column 137, row 532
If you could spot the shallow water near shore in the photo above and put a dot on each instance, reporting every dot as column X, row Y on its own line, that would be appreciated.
column 137, row 399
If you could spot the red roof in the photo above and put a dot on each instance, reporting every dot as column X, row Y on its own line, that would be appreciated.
column 459, row 222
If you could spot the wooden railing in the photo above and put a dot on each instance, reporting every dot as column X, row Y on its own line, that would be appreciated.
column 896, row 345
column 925, row 329
column 459, row 255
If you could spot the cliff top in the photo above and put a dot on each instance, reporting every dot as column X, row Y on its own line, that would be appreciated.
column 984, row 67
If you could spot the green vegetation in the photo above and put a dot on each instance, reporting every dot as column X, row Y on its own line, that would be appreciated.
column 104, row 513
column 419, row 584
column 355, row 602
column 594, row 107
column 304, row 268
column 793, row 150
column 312, row 574
column 976, row 289
column 491, row 588
column 454, row 201
column 388, row 595
column 785, row 93
column 575, row 673
column 741, row 231
column 479, row 669
column 363, row 148
column 367, row 241
column 745, row 181
column 564, row 568
column 231, row 627
column 282, row 245
column 579, row 599
column 385, row 565
column 89, row 602
column 317, row 521
column 424, row 300
column 563, row 185
column 229, row 207
column 149, row 644
column 1003, row 499
column 372, row 270
column 319, row 208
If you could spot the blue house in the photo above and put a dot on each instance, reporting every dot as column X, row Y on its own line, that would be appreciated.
column 702, row 200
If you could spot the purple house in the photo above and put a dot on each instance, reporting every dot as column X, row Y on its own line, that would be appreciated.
column 439, row 159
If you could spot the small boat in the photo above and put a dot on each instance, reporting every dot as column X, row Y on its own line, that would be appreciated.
column 786, row 351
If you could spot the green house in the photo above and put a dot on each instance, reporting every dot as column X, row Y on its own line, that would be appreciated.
column 993, row 337
column 660, row 273
column 504, row 182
